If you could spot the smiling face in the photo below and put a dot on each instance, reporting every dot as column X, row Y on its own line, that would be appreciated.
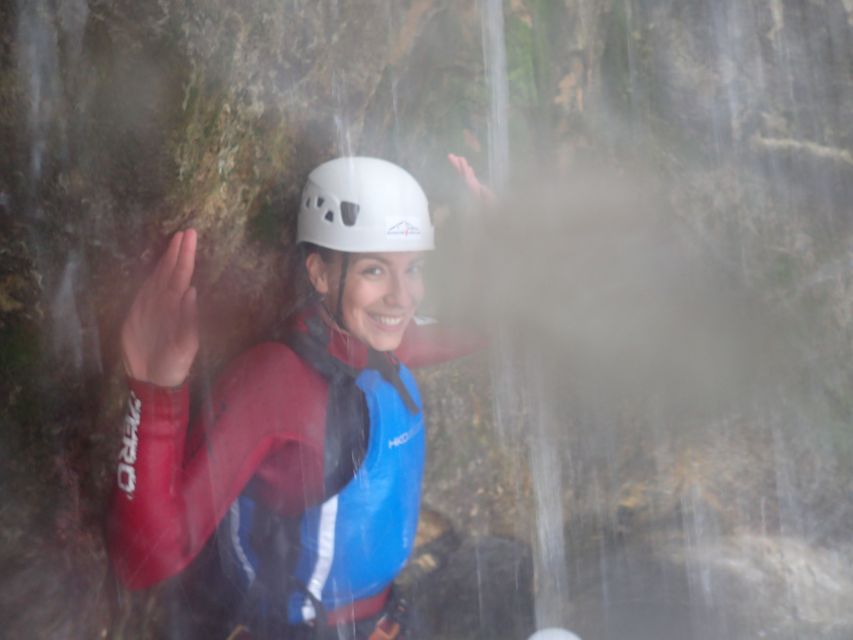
column 381, row 293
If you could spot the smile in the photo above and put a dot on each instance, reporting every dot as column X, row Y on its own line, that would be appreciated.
column 388, row 321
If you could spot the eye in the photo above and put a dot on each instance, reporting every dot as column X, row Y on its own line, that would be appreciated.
column 373, row 271
column 416, row 268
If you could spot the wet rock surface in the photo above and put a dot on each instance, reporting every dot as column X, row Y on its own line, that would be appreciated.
column 484, row 591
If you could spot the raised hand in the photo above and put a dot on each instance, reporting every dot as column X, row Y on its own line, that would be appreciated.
column 477, row 188
column 159, row 337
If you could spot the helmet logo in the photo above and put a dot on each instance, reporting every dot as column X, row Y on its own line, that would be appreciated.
column 402, row 228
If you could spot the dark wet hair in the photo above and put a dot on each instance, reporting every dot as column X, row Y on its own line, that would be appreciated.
column 304, row 294
column 327, row 256
column 300, row 292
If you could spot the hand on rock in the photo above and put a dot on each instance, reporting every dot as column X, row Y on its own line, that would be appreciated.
column 477, row 188
column 159, row 337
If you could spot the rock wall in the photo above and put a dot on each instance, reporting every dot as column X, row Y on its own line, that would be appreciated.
column 122, row 121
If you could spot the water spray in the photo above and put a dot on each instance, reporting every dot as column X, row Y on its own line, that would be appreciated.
column 553, row 633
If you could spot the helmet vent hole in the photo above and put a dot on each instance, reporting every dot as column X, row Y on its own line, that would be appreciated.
column 320, row 202
column 349, row 213
column 329, row 216
column 308, row 202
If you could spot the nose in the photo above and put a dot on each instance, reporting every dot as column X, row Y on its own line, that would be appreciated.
column 399, row 292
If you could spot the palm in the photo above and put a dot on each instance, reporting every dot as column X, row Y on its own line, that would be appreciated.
column 466, row 171
column 159, row 338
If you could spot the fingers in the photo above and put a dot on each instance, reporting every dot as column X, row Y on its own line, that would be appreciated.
column 175, row 268
column 171, row 277
column 167, row 262
column 159, row 334
column 466, row 171
column 462, row 167
column 459, row 163
column 164, row 289
column 187, row 336
column 183, row 270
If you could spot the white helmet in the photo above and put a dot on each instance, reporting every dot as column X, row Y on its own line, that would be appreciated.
column 359, row 205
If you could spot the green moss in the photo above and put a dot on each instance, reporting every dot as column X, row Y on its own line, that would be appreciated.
column 616, row 62
column 20, row 351
column 521, row 66
column 21, row 365
column 200, row 131
column 211, row 125
column 637, row 91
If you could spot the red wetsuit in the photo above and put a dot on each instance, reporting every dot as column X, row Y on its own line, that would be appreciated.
column 265, row 422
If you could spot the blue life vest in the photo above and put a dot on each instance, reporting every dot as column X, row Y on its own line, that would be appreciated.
column 354, row 544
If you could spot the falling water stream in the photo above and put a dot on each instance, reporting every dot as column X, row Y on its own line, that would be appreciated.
column 40, row 29
column 551, row 582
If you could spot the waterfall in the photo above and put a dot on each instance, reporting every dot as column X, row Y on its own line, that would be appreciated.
column 521, row 401
column 494, row 53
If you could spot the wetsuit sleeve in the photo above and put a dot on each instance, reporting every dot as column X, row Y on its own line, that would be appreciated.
column 145, row 530
column 170, row 494
column 428, row 344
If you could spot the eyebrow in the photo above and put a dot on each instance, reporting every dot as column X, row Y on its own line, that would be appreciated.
column 380, row 258
column 372, row 256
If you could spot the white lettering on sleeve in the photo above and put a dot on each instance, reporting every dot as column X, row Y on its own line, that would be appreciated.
column 126, row 478
column 126, row 473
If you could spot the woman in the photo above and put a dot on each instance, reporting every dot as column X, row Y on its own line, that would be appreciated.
column 306, row 462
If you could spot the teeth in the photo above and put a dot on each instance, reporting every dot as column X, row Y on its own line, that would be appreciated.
column 389, row 321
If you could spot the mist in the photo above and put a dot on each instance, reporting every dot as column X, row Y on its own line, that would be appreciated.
column 655, row 441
